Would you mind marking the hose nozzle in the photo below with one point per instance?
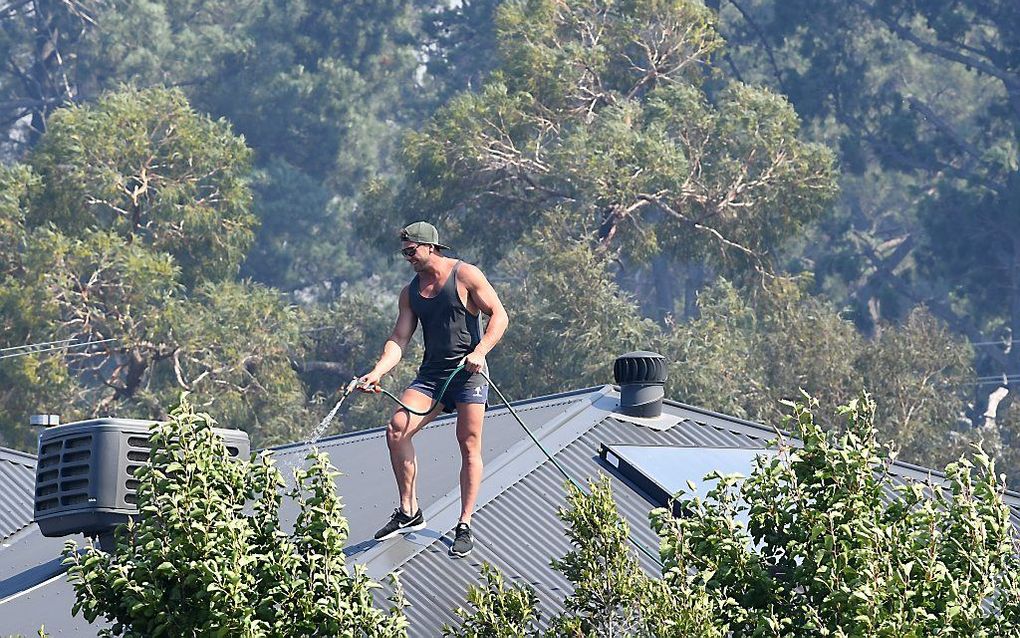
(350, 386)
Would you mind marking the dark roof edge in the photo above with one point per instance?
(726, 417)
(920, 472)
(29, 579)
(490, 408)
(24, 457)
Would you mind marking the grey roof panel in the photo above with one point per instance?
(367, 485)
(48, 604)
(17, 478)
(34, 589)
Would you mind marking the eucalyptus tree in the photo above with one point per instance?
(607, 117)
(131, 218)
(62, 52)
(320, 90)
(322, 94)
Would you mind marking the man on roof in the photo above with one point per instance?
(446, 297)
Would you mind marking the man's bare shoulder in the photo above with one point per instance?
(470, 274)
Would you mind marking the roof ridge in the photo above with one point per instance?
(346, 437)
(17, 456)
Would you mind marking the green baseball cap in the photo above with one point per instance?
(422, 233)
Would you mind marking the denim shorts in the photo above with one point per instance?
(473, 388)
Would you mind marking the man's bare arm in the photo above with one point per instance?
(484, 296)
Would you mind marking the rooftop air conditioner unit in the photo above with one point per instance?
(85, 481)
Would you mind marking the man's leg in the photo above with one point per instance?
(403, 426)
(469, 436)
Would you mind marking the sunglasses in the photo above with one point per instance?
(410, 250)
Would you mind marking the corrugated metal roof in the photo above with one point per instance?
(515, 525)
(17, 486)
(519, 531)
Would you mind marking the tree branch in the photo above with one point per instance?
(331, 367)
(765, 43)
(940, 123)
(946, 53)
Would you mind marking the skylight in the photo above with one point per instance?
(662, 471)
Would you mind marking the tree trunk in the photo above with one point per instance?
(693, 283)
(665, 285)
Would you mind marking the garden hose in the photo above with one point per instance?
(438, 397)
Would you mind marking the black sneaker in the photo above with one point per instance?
(401, 523)
(462, 541)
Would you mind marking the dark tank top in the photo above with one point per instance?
(449, 330)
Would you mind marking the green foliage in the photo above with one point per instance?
(612, 596)
(498, 610)
(744, 359)
(608, 582)
(619, 158)
(343, 335)
(921, 100)
(39, 42)
(919, 371)
(811, 544)
(319, 82)
(209, 555)
(236, 342)
(321, 92)
(320, 87)
(293, 209)
(569, 318)
(825, 552)
(47, 376)
(158, 43)
(461, 40)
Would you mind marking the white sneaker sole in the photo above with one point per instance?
(403, 530)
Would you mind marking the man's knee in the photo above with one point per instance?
(470, 444)
(399, 429)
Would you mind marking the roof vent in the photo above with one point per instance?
(85, 475)
(641, 376)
